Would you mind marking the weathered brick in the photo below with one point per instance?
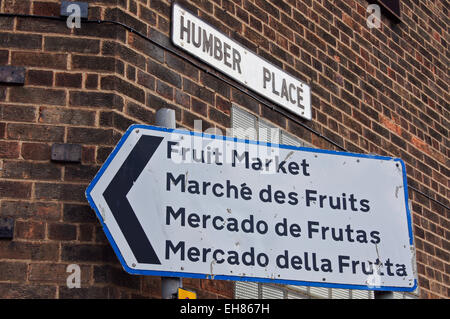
(35, 151)
(27, 291)
(71, 45)
(90, 136)
(122, 86)
(9, 149)
(42, 60)
(52, 115)
(142, 113)
(55, 273)
(18, 113)
(123, 17)
(62, 232)
(12, 189)
(91, 292)
(163, 73)
(164, 90)
(33, 132)
(80, 172)
(13, 271)
(93, 63)
(29, 230)
(198, 91)
(46, 8)
(91, 81)
(37, 95)
(146, 80)
(96, 99)
(39, 77)
(26, 250)
(42, 25)
(4, 55)
(20, 41)
(62, 192)
(112, 48)
(146, 47)
(155, 103)
(30, 170)
(87, 253)
(74, 213)
(181, 66)
(31, 210)
(68, 80)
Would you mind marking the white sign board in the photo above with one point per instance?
(185, 204)
(231, 58)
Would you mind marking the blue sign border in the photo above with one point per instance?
(239, 278)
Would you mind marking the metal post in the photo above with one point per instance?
(169, 285)
(165, 118)
(384, 295)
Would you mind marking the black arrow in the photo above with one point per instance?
(115, 196)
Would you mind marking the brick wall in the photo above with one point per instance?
(382, 91)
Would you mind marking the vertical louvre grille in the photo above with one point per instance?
(246, 290)
(243, 124)
(319, 292)
(269, 292)
(340, 293)
(268, 133)
(248, 126)
(288, 139)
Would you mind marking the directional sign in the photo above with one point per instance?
(185, 204)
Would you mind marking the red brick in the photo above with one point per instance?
(87, 253)
(20, 41)
(29, 230)
(56, 273)
(46, 8)
(35, 151)
(62, 192)
(18, 113)
(30, 170)
(39, 211)
(37, 95)
(93, 63)
(90, 136)
(27, 291)
(71, 45)
(72, 80)
(32, 132)
(91, 81)
(9, 149)
(26, 251)
(52, 115)
(60, 231)
(43, 60)
(12, 189)
(13, 271)
(39, 77)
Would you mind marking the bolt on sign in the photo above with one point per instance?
(187, 204)
(231, 58)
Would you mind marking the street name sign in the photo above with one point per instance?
(188, 204)
(231, 58)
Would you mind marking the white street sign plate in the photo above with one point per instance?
(185, 204)
(231, 58)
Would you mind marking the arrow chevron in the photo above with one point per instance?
(115, 196)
